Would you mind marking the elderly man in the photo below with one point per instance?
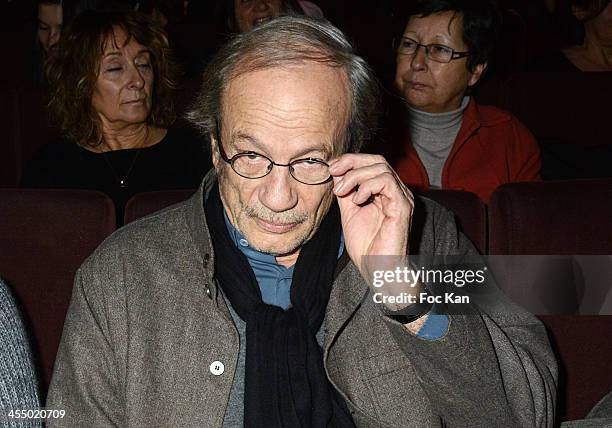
(250, 305)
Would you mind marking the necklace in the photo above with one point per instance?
(122, 181)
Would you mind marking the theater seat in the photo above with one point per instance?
(567, 218)
(564, 219)
(469, 211)
(146, 203)
(44, 237)
(557, 217)
(584, 350)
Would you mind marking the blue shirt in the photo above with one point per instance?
(275, 280)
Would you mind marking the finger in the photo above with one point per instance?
(348, 161)
(394, 199)
(354, 179)
(346, 183)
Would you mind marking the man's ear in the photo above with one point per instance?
(214, 150)
(477, 73)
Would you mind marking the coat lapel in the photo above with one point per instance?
(347, 294)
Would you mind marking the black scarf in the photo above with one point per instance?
(285, 381)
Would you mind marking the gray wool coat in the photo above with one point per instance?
(147, 319)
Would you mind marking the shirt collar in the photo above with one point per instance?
(243, 245)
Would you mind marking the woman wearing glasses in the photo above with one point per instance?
(449, 141)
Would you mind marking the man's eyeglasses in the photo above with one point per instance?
(254, 165)
(435, 52)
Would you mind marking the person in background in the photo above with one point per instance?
(50, 21)
(51, 17)
(591, 48)
(18, 383)
(442, 137)
(243, 15)
(111, 89)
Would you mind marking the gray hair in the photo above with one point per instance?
(291, 40)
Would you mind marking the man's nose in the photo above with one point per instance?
(419, 59)
(278, 190)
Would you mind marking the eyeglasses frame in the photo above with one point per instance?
(455, 54)
(289, 165)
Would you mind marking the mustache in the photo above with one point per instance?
(265, 214)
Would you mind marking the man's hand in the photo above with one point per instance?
(376, 211)
(375, 206)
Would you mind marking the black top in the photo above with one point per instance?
(554, 61)
(179, 161)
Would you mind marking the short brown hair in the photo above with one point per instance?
(73, 71)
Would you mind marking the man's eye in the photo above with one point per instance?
(253, 156)
(310, 163)
(43, 28)
(144, 65)
(114, 69)
(409, 44)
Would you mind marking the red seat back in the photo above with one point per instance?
(563, 217)
(146, 203)
(44, 237)
(584, 349)
(556, 217)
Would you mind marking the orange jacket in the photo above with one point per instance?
(491, 148)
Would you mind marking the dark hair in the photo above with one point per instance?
(291, 40)
(73, 72)
(481, 24)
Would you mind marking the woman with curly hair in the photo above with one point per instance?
(111, 93)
